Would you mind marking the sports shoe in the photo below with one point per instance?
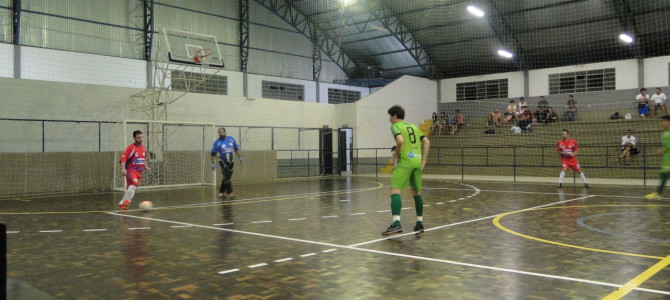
(124, 204)
(418, 228)
(392, 229)
(653, 196)
(221, 195)
(560, 185)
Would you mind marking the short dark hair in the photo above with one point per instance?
(511, 100)
(136, 132)
(643, 89)
(568, 131)
(398, 111)
(458, 111)
(571, 96)
(541, 97)
(224, 129)
(659, 89)
(665, 118)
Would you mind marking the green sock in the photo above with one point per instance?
(418, 204)
(396, 204)
(664, 178)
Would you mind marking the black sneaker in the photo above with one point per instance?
(392, 229)
(418, 228)
(560, 185)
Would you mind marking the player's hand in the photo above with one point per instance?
(239, 158)
(423, 165)
(147, 168)
(124, 172)
(213, 166)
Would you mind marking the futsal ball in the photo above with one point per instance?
(146, 205)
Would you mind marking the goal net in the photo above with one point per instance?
(178, 153)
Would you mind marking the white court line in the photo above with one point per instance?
(452, 200)
(396, 254)
(357, 214)
(13, 231)
(545, 193)
(325, 217)
(406, 208)
(139, 228)
(181, 226)
(258, 265)
(284, 259)
(93, 230)
(50, 231)
(308, 254)
(329, 250)
(439, 203)
(224, 224)
(383, 211)
(345, 200)
(257, 222)
(297, 219)
(228, 271)
(426, 205)
(465, 222)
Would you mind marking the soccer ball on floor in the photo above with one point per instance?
(146, 205)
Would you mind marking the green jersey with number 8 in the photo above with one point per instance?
(410, 154)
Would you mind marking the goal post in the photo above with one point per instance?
(178, 153)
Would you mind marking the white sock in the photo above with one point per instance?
(396, 218)
(561, 177)
(419, 219)
(583, 177)
(130, 192)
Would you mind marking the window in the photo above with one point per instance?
(283, 91)
(584, 81)
(481, 90)
(337, 96)
(199, 83)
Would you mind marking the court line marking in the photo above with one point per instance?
(258, 222)
(308, 254)
(181, 226)
(357, 214)
(50, 231)
(496, 223)
(222, 224)
(444, 261)
(638, 280)
(139, 228)
(547, 193)
(465, 222)
(228, 271)
(13, 231)
(325, 217)
(258, 265)
(284, 259)
(94, 230)
(297, 219)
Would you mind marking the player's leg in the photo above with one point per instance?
(222, 188)
(663, 177)
(229, 179)
(132, 182)
(399, 181)
(415, 181)
(561, 177)
(578, 169)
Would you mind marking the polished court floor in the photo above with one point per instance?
(320, 239)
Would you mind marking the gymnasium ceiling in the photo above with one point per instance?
(441, 39)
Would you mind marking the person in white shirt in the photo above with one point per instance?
(642, 101)
(659, 103)
(511, 112)
(628, 143)
(522, 106)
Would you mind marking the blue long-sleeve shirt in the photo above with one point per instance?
(225, 148)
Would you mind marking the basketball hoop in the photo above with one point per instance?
(201, 54)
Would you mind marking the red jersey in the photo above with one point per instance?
(567, 147)
(134, 157)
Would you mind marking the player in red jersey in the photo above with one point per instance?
(567, 149)
(133, 162)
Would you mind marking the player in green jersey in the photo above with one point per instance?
(664, 174)
(409, 158)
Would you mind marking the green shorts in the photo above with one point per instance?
(404, 175)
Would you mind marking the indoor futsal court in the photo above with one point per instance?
(319, 239)
(334, 149)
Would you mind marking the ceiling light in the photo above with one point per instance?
(475, 11)
(626, 38)
(505, 53)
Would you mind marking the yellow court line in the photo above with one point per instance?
(379, 185)
(496, 222)
(638, 280)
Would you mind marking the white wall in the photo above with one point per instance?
(416, 95)
(7, 60)
(514, 83)
(656, 72)
(626, 75)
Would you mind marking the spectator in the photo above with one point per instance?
(494, 118)
(522, 105)
(628, 143)
(659, 103)
(526, 120)
(511, 112)
(442, 127)
(642, 101)
(460, 120)
(550, 115)
(571, 109)
(450, 125)
(541, 111)
(436, 121)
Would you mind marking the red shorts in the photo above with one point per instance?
(133, 177)
(570, 162)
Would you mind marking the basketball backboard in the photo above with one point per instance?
(183, 47)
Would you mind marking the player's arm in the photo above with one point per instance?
(122, 162)
(214, 157)
(558, 149)
(425, 147)
(399, 141)
(146, 161)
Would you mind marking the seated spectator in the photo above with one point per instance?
(511, 112)
(526, 120)
(442, 125)
(550, 115)
(541, 111)
(660, 100)
(451, 125)
(628, 143)
(522, 105)
(570, 109)
(459, 119)
(494, 118)
(642, 101)
(433, 127)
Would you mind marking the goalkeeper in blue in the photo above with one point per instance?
(224, 146)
